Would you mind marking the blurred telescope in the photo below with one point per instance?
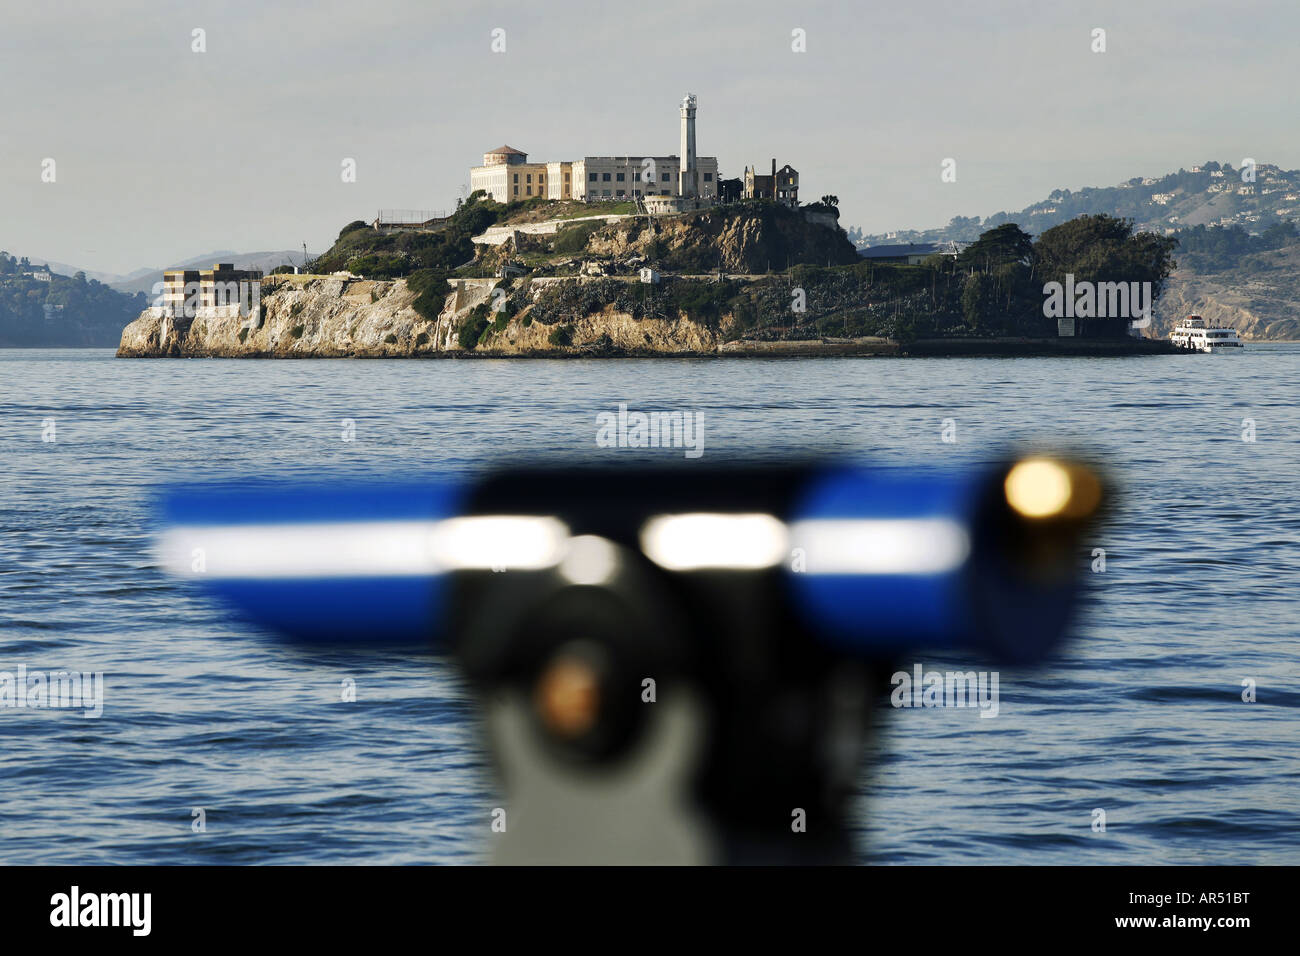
(674, 665)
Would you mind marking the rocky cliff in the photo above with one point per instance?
(747, 278)
(751, 240)
(301, 316)
(583, 294)
(337, 316)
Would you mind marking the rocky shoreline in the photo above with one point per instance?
(347, 317)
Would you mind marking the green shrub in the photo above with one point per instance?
(571, 240)
(804, 274)
(472, 327)
(422, 338)
(431, 289)
(701, 301)
(296, 331)
(380, 255)
(390, 338)
(561, 336)
(379, 266)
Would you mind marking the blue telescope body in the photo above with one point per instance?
(871, 562)
(314, 562)
(759, 609)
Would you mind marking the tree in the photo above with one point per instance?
(999, 246)
(830, 201)
(1104, 248)
(963, 227)
(1008, 300)
(977, 300)
(1277, 235)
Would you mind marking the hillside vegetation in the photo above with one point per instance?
(1215, 194)
(81, 312)
(1237, 259)
(772, 272)
(749, 237)
(994, 289)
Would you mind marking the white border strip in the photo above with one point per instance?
(362, 549)
(881, 546)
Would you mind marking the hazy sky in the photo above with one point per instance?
(163, 153)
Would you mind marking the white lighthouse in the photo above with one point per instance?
(688, 185)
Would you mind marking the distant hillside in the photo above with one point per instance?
(66, 269)
(1238, 251)
(142, 280)
(1258, 295)
(42, 309)
(1209, 194)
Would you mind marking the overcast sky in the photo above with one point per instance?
(162, 153)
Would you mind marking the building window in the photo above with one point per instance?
(566, 179)
(605, 192)
(530, 190)
(516, 179)
(605, 178)
(665, 177)
(708, 177)
(529, 178)
(620, 177)
(621, 194)
(516, 190)
(591, 178)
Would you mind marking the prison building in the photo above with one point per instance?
(222, 285)
(507, 175)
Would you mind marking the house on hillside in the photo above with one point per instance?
(781, 185)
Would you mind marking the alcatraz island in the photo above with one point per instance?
(658, 256)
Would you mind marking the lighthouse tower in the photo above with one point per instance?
(687, 184)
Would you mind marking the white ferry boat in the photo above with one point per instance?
(1193, 333)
